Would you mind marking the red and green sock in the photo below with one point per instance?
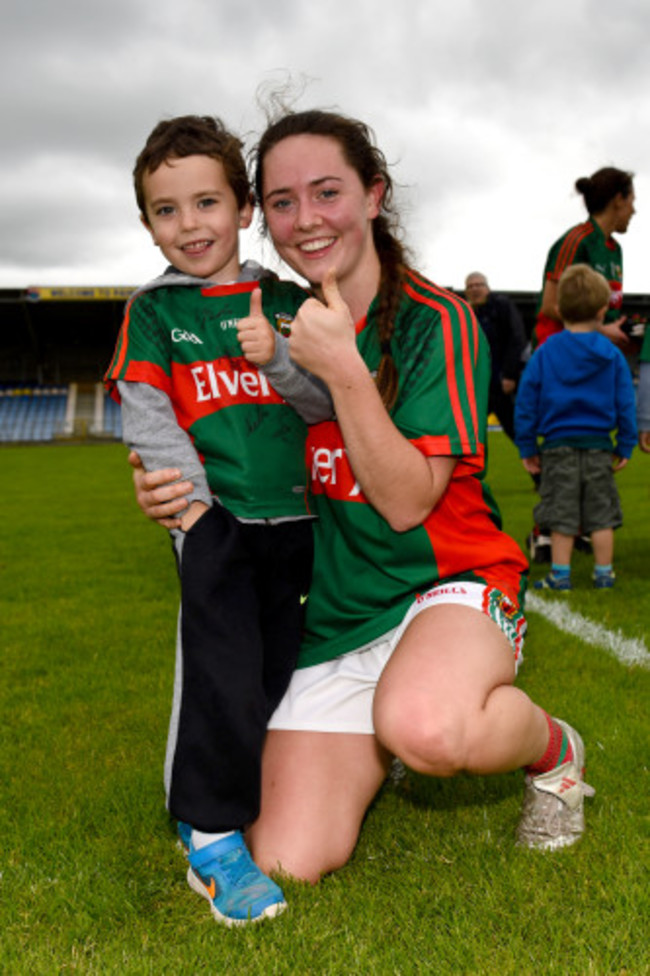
(557, 752)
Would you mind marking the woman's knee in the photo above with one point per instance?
(429, 743)
(305, 858)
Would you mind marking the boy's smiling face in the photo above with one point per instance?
(193, 216)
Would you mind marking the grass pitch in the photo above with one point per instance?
(90, 878)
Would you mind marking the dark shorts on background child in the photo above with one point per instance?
(578, 491)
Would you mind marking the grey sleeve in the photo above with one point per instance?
(643, 398)
(149, 427)
(308, 395)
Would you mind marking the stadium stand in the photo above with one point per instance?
(112, 419)
(55, 344)
(50, 413)
(32, 414)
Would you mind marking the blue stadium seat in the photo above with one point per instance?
(33, 413)
(112, 418)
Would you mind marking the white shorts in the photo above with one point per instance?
(337, 696)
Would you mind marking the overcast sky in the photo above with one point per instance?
(488, 110)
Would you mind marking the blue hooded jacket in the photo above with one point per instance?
(576, 389)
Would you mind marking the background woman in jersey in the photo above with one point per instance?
(414, 621)
(609, 199)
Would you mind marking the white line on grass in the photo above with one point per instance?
(627, 650)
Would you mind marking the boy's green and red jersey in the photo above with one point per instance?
(584, 244)
(183, 341)
(365, 574)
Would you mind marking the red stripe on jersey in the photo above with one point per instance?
(238, 288)
(145, 372)
(433, 446)
(123, 343)
(200, 389)
(567, 252)
(468, 369)
(461, 306)
(440, 446)
(459, 521)
(448, 339)
(470, 463)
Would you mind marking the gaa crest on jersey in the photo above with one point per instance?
(283, 322)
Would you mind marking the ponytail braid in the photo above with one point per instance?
(392, 258)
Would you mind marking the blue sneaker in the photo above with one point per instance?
(225, 874)
(604, 581)
(553, 582)
(184, 836)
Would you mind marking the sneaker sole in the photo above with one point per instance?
(269, 912)
(552, 845)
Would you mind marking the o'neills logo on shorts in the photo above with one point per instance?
(440, 591)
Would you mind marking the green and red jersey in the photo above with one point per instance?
(182, 339)
(366, 575)
(584, 244)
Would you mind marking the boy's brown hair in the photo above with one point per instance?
(193, 135)
(581, 294)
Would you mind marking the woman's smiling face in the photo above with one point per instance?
(318, 212)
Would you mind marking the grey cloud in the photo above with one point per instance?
(457, 93)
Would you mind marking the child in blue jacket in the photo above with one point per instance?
(575, 391)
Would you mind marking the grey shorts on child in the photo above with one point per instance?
(578, 492)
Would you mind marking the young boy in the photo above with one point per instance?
(575, 390)
(190, 400)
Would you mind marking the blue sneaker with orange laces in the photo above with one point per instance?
(225, 874)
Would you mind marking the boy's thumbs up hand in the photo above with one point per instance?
(255, 334)
(256, 304)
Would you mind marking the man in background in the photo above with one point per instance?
(504, 329)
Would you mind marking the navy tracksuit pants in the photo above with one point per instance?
(239, 635)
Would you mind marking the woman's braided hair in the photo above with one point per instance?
(360, 152)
